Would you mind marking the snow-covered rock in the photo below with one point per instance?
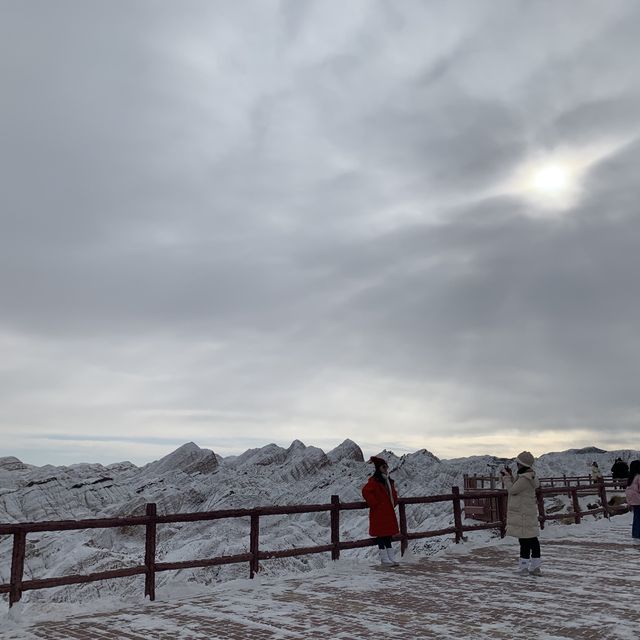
(348, 450)
(192, 479)
(264, 456)
(9, 463)
(189, 458)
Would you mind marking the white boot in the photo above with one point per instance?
(523, 566)
(391, 554)
(534, 567)
(384, 558)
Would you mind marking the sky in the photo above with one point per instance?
(411, 224)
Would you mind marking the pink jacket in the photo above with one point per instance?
(633, 492)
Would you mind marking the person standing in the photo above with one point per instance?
(381, 496)
(620, 472)
(522, 512)
(596, 474)
(633, 498)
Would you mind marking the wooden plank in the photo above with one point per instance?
(358, 544)
(45, 583)
(17, 567)
(335, 527)
(429, 499)
(71, 525)
(254, 545)
(418, 535)
(207, 562)
(473, 509)
(478, 527)
(150, 554)
(576, 506)
(404, 542)
(457, 512)
(350, 506)
(289, 553)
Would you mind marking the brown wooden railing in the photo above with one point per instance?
(477, 481)
(487, 509)
(17, 585)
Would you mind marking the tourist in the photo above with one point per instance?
(596, 474)
(620, 472)
(633, 498)
(522, 512)
(381, 496)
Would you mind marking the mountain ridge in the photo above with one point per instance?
(192, 479)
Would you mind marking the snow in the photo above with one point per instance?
(588, 590)
(194, 479)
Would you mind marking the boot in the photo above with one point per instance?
(523, 566)
(391, 554)
(384, 558)
(534, 568)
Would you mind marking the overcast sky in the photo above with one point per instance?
(412, 224)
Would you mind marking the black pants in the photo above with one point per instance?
(384, 542)
(529, 547)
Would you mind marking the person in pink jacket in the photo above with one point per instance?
(633, 497)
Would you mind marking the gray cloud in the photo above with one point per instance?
(274, 219)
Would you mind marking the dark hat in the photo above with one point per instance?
(378, 462)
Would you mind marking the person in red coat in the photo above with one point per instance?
(381, 496)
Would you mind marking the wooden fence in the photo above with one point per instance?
(476, 481)
(488, 509)
(17, 585)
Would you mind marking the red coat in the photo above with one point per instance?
(382, 515)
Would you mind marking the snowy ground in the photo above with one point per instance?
(588, 590)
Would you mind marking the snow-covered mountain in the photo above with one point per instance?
(194, 479)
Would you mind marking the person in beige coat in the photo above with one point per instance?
(522, 512)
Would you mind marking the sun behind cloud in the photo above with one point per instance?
(553, 179)
(553, 182)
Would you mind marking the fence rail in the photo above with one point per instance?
(476, 481)
(17, 585)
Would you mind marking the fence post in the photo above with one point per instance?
(576, 505)
(564, 477)
(541, 513)
(17, 566)
(603, 499)
(501, 504)
(150, 553)
(457, 513)
(404, 542)
(335, 527)
(254, 544)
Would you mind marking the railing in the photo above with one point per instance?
(485, 508)
(17, 585)
(476, 481)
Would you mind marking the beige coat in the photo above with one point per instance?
(522, 509)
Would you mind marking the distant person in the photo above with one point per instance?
(381, 496)
(620, 472)
(522, 512)
(596, 474)
(633, 498)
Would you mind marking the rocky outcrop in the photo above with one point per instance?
(263, 456)
(302, 461)
(9, 463)
(348, 450)
(189, 458)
